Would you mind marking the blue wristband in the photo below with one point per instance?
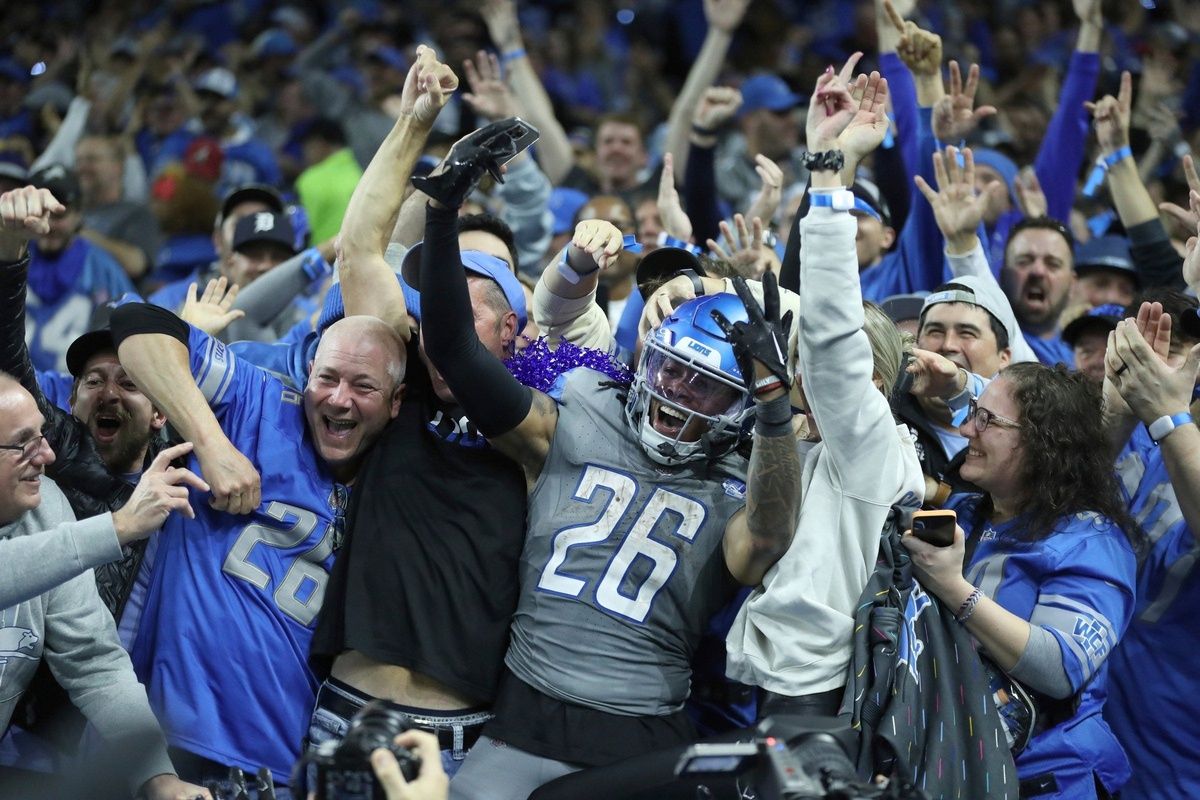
(1103, 165)
(1162, 427)
(512, 55)
(1120, 155)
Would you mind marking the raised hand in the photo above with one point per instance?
(759, 345)
(766, 203)
(832, 105)
(500, 17)
(1088, 11)
(161, 490)
(717, 105)
(934, 375)
(24, 215)
(489, 95)
(1111, 116)
(427, 87)
(1191, 252)
(919, 49)
(725, 15)
(955, 115)
(211, 313)
(1030, 197)
(956, 207)
(1152, 387)
(746, 250)
(869, 124)
(675, 220)
(1188, 216)
(599, 239)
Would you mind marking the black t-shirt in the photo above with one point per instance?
(427, 579)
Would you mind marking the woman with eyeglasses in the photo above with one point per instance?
(1042, 569)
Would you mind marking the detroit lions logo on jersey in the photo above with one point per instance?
(909, 646)
(18, 642)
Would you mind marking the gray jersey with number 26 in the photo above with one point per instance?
(622, 565)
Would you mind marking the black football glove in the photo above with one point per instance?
(764, 339)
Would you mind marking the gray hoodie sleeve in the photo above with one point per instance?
(83, 652)
(31, 565)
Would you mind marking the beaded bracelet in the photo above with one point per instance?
(968, 607)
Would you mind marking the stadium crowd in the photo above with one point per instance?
(587, 380)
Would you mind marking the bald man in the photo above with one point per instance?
(224, 642)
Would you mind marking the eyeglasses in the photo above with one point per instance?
(983, 418)
(27, 450)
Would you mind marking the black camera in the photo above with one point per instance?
(341, 770)
(793, 758)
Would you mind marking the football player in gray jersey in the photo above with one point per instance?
(644, 517)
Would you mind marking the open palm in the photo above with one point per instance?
(956, 207)
(869, 123)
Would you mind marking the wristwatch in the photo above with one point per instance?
(831, 160)
(1162, 427)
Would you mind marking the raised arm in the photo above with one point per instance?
(1158, 264)
(1061, 153)
(153, 346)
(723, 17)
(554, 148)
(369, 285)
(564, 300)
(516, 419)
(758, 535)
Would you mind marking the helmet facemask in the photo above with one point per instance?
(684, 407)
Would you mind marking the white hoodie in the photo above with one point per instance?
(793, 635)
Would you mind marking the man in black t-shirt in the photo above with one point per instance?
(421, 596)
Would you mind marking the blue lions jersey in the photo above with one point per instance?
(1153, 707)
(1051, 351)
(52, 322)
(56, 386)
(223, 644)
(1078, 584)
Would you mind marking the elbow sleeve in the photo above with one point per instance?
(132, 319)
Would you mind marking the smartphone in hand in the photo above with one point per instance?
(935, 527)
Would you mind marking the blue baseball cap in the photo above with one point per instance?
(564, 205)
(273, 42)
(1108, 253)
(334, 307)
(769, 92)
(1104, 318)
(481, 264)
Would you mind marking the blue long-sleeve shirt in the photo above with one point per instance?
(1061, 154)
(917, 264)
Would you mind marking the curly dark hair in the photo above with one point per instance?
(1065, 467)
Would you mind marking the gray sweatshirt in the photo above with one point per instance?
(51, 610)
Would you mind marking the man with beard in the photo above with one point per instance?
(1038, 273)
(247, 159)
(68, 275)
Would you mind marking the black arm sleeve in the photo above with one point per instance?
(134, 318)
(894, 183)
(789, 269)
(493, 399)
(1154, 258)
(700, 194)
